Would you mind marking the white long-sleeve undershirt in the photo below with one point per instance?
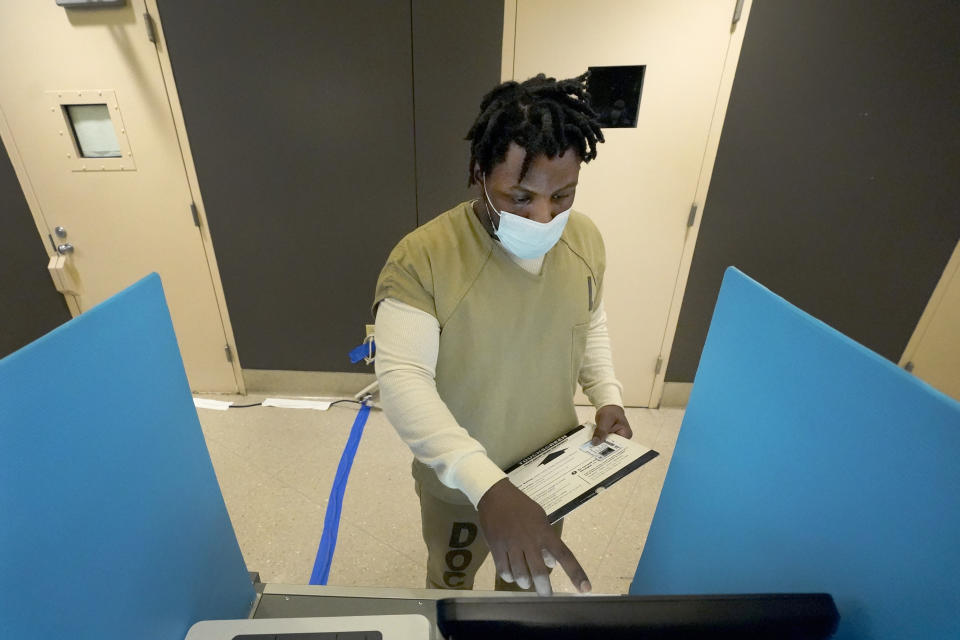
(408, 344)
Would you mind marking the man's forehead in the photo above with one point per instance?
(532, 188)
(558, 169)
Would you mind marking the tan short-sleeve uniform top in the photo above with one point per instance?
(511, 342)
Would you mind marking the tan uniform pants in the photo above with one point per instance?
(455, 546)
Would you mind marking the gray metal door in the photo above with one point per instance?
(299, 117)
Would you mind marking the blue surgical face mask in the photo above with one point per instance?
(526, 238)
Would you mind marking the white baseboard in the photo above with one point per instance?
(676, 394)
(305, 383)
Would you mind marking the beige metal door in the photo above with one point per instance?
(933, 353)
(642, 186)
(121, 213)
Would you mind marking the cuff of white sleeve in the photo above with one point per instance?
(475, 474)
(607, 393)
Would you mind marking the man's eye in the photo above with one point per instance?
(521, 199)
(561, 196)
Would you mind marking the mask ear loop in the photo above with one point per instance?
(487, 205)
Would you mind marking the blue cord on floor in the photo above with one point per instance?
(331, 521)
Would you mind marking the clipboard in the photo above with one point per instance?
(567, 472)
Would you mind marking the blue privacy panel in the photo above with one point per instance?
(112, 525)
(807, 462)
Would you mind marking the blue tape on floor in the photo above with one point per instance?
(331, 521)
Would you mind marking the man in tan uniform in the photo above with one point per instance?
(487, 318)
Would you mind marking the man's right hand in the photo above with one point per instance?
(522, 542)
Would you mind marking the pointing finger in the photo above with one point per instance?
(572, 568)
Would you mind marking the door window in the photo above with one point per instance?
(93, 130)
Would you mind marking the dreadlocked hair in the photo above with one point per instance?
(543, 115)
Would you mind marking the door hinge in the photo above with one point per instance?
(909, 366)
(656, 369)
(229, 352)
(151, 28)
(693, 215)
(737, 10)
(196, 214)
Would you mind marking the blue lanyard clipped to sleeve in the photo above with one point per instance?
(331, 520)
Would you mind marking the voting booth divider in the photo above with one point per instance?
(806, 462)
(113, 524)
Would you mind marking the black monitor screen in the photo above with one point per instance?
(782, 616)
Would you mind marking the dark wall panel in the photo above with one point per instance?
(300, 116)
(456, 54)
(835, 182)
(29, 304)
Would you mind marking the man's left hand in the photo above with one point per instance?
(611, 419)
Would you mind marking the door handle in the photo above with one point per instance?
(65, 249)
(64, 275)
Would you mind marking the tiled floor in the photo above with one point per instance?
(276, 467)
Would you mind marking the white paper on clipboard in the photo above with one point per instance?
(570, 470)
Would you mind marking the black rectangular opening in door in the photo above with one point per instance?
(615, 94)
